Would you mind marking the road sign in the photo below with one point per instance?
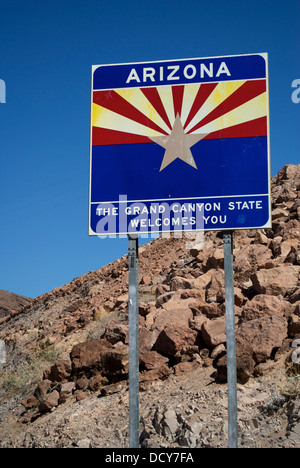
(180, 145)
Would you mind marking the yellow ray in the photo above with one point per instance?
(166, 96)
(135, 97)
(106, 118)
(219, 94)
(189, 95)
(250, 110)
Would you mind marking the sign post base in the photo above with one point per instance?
(133, 306)
(230, 339)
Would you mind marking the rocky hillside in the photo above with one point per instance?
(10, 303)
(65, 383)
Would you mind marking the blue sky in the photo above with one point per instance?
(47, 49)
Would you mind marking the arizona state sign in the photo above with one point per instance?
(180, 145)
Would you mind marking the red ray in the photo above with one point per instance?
(104, 136)
(253, 128)
(154, 98)
(246, 92)
(177, 92)
(204, 92)
(116, 103)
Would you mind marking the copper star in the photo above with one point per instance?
(178, 144)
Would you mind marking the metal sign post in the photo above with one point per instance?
(133, 306)
(231, 342)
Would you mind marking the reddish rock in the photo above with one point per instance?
(202, 281)
(279, 213)
(193, 294)
(80, 395)
(276, 281)
(97, 382)
(147, 339)
(66, 391)
(264, 368)
(155, 374)
(43, 389)
(209, 310)
(218, 351)
(184, 367)
(59, 372)
(294, 326)
(197, 322)
(214, 332)
(86, 357)
(179, 282)
(51, 402)
(215, 287)
(244, 363)
(153, 360)
(115, 361)
(264, 335)
(116, 331)
(113, 388)
(177, 316)
(295, 297)
(164, 298)
(121, 300)
(144, 309)
(215, 260)
(82, 383)
(172, 339)
(262, 305)
(250, 257)
(30, 402)
(286, 247)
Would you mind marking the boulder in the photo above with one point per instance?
(86, 357)
(30, 402)
(153, 360)
(250, 257)
(276, 281)
(42, 389)
(164, 298)
(178, 282)
(173, 338)
(215, 287)
(97, 382)
(214, 260)
(244, 364)
(177, 316)
(214, 332)
(294, 326)
(147, 339)
(159, 373)
(115, 361)
(265, 335)
(66, 391)
(186, 366)
(285, 248)
(51, 402)
(59, 372)
(209, 310)
(116, 331)
(262, 305)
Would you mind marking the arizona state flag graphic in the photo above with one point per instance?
(180, 144)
